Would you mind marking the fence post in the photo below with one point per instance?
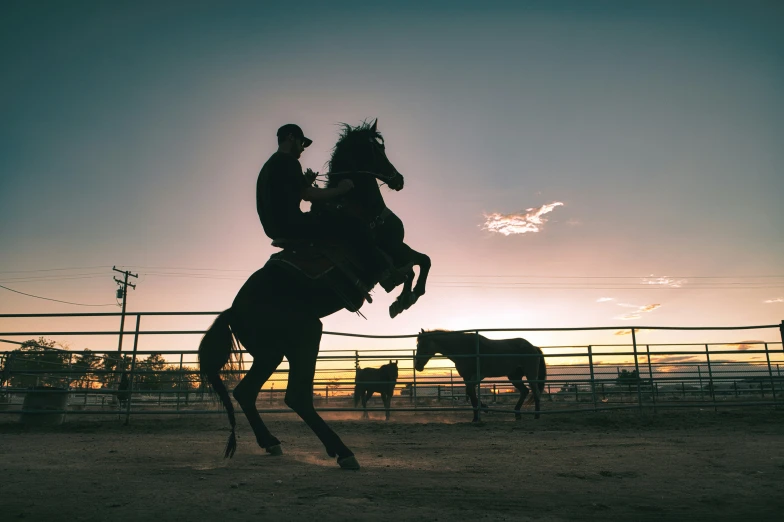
(710, 378)
(478, 380)
(68, 384)
(593, 382)
(179, 383)
(133, 367)
(650, 375)
(770, 374)
(637, 368)
(413, 396)
(781, 331)
(451, 390)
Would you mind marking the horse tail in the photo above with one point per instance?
(541, 376)
(357, 392)
(542, 372)
(215, 350)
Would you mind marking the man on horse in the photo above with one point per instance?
(282, 186)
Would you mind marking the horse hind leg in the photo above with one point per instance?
(366, 394)
(302, 354)
(517, 380)
(246, 393)
(533, 378)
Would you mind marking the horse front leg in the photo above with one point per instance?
(406, 299)
(386, 397)
(403, 255)
(423, 262)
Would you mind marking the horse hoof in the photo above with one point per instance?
(275, 450)
(348, 462)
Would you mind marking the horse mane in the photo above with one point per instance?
(450, 335)
(348, 136)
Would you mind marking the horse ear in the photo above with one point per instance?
(375, 124)
(421, 330)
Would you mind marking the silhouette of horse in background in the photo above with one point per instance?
(513, 358)
(371, 380)
(277, 311)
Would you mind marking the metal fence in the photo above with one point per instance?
(579, 378)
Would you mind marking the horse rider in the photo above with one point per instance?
(282, 186)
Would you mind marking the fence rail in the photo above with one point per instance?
(579, 378)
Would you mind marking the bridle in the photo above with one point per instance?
(384, 178)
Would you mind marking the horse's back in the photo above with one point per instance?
(277, 296)
(498, 357)
(375, 379)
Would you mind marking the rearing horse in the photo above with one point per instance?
(366, 204)
(277, 311)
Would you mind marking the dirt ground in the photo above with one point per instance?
(677, 465)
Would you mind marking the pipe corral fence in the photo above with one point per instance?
(579, 378)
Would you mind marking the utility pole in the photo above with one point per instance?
(122, 292)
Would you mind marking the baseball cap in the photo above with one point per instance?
(291, 128)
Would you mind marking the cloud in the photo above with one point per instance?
(507, 224)
(748, 345)
(638, 312)
(574, 222)
(774, 300)
(629, 332)
(664, 281)
(604, 299)
(669, 359)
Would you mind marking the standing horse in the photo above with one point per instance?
(513, 358)
(277, 311)
(371, 380)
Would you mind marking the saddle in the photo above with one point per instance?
(337, 265)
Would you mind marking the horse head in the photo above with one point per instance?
(426, 349)
(392, 370)
(360, 154)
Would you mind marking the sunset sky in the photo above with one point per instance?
(566, 163)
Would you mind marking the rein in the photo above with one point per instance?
(378, 176)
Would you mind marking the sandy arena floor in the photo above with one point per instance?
(678, 465)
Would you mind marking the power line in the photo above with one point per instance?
(52, 269)
(36, 279)
(50, 299)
